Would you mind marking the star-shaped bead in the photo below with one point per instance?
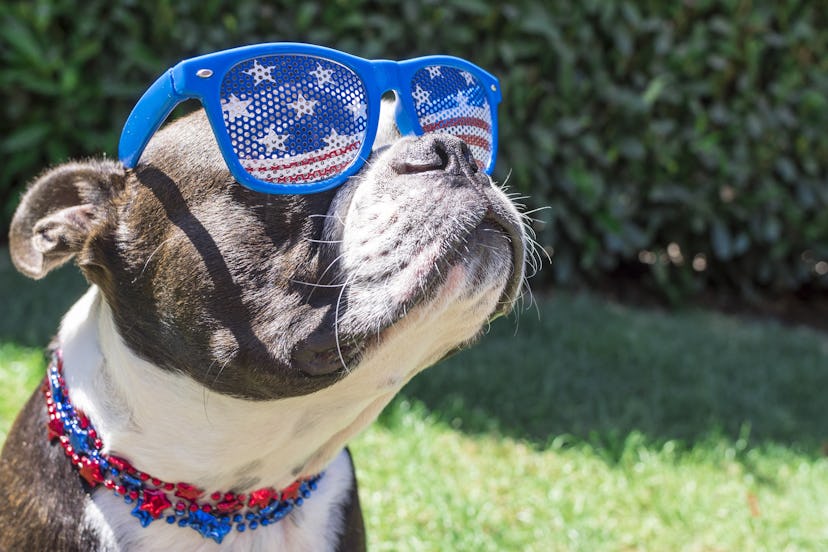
(434, 71)
(260, 73)
(303, 106)
(234, 108)
(154, 503)
(358, 109)
(55, 428)
(91, 472)
(291, 491)
(260, 498)
(322, 75)
(421, 96)
(273, 141)
(468, 76)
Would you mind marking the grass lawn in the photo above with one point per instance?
(584, 426)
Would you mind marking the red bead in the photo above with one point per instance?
(91, 472)
(215, 496)
(229, 506)
(168, 486)
(133, 494)
(155, 502)
(193, 507)
(54, 429)
(143, 477)
(188, 492)
(260, 498)
(157, 482)
(207, 508)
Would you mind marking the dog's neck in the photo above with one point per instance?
(171, 427)
(176, 430)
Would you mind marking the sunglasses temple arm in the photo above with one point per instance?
(147, 116)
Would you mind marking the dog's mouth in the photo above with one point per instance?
(483, 259)
(484, 254)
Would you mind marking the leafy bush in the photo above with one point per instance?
(686, 139)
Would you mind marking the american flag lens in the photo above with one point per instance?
(453, 101)
(294, 119)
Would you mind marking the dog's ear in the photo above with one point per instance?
(59, 213)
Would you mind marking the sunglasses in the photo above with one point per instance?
(298, 118)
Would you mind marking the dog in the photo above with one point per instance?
(236, 340)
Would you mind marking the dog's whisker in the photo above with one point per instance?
(146, 263)
(311, 240)
(336, 328)
(317, 285)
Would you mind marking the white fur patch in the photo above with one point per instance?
(173, 428)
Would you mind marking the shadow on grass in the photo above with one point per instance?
(599, 372)
(587, 369)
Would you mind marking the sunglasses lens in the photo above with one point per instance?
(294, 119)
(453, 101)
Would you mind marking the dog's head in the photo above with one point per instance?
(265, 296)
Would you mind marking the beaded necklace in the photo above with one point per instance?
(153, 499)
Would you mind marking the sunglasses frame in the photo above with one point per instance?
(201, 78)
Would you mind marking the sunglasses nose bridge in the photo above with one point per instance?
(387, 77)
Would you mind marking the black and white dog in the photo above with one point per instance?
(236, 340)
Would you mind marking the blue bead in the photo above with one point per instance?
(240, 527)
(183, 522)
(253, 524)
(250, 515)
(131, 481)
(298, 501)
(144, 517)
(313, 485)
(237, 518)
(127, 499)
(170, 519)
(306, 494)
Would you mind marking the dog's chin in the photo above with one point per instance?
(419, 246)
(469, 267)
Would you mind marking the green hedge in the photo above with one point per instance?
(662, 135)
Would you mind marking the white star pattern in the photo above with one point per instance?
(273, 141)
(303, 106)
(260, 73)
(434, 71)
(421, 96)
(468, 76)
(336, 140)
(235, 108)
(462, 100)
(358, 109)
(322, 75)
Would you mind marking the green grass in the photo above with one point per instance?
(592, 426)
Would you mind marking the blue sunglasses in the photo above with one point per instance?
(298, 118)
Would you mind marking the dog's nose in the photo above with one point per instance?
(432, 152)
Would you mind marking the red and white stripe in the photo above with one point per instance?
(472, 124)
(304, 168)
